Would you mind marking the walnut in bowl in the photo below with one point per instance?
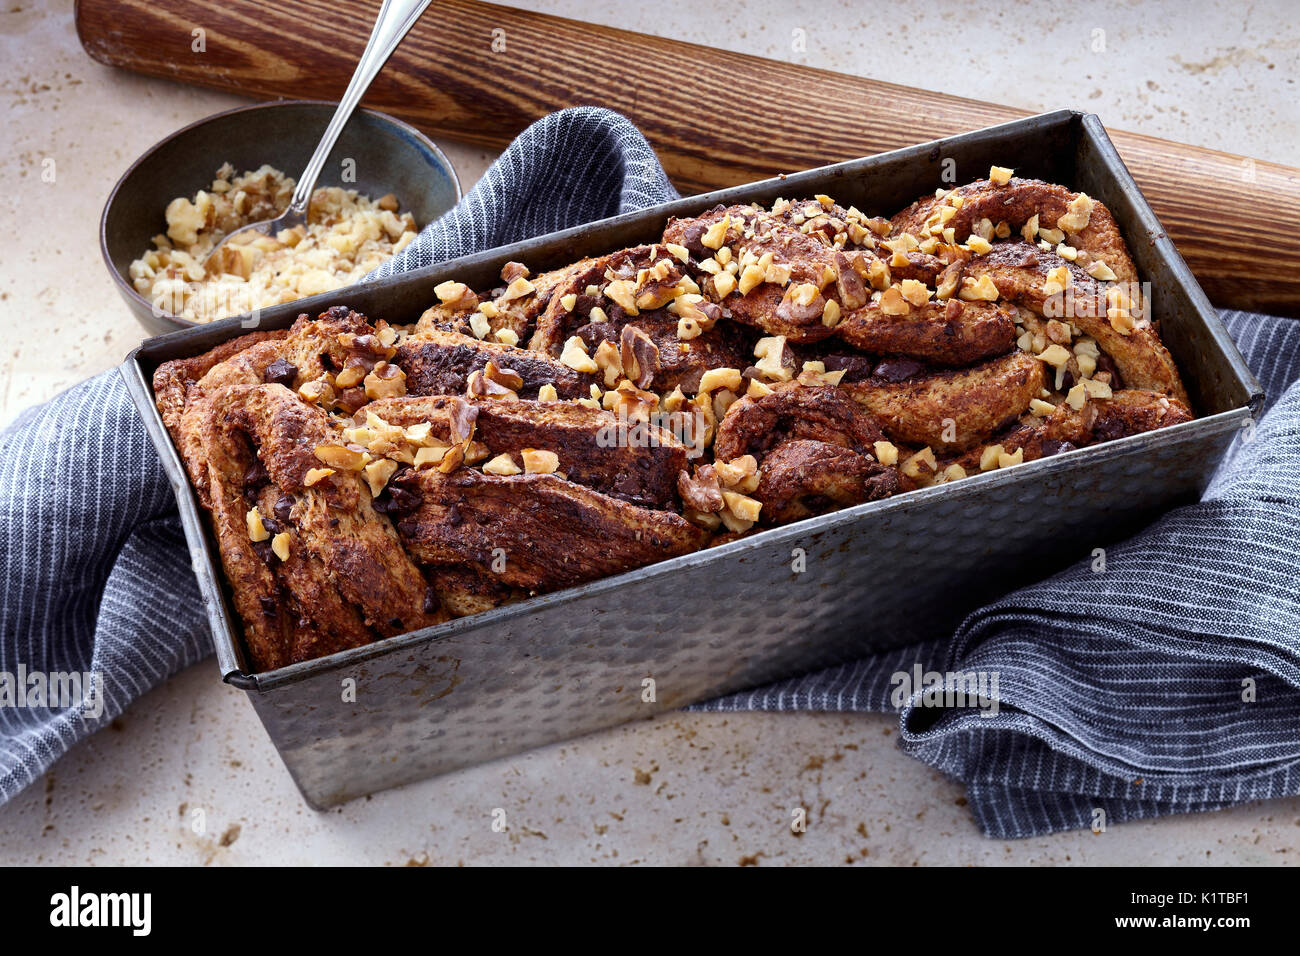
(376, 156)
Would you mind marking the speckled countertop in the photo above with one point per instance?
(684, 788)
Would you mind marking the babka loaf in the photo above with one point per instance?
(754, 367)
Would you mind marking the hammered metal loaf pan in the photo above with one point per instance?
(875, 576)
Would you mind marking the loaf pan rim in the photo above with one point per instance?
(224, 623)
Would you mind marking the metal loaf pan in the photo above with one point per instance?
(876, 576)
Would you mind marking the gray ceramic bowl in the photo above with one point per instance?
(390, 157)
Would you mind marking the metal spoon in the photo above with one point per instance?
(396, 17)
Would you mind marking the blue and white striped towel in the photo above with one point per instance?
(1134, 708)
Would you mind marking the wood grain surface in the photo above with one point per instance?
(715, 118)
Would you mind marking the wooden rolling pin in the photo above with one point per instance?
(480, 73)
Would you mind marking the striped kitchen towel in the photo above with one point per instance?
(1134, 706)
(98, 585)
(1168, 684)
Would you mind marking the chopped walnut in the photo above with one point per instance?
(576, 357)
(1058, 280)
(315, 476)
(639, 356)
(1121, 321)
(771, 354)
(1098, 269)
(609, 362)
(431, 455)
(751, 277)
(739, 474)
(378, 473)
(1059, 332)
(520, 288)
(463, 416)
(688, 328)
(421, 434)
(724, 284)
(514, 270)
(350, 377)
(1097, 389)
(914, 292)
(505, 377)
(878, 275)
(456, 296)
(318, 392)
(502, 465)
(1007, 459)
(385, 381)
(921, 465)
(1055, 355)
(716, 234)
(623, 292)
(893, 303)
(1077, 219)
(720, 378)
(539, 462)
(453, 458)
(743, 508)
(256, 529)
(280, 545)
(340, 458)
(681, 253)
(948, 280)
(702, 492)
(479, 325)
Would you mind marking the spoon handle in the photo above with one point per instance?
(396, 17)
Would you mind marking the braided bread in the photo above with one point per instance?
(754, 367)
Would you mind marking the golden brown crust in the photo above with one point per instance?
(1129, 411)
(950, 410)
(566, 535)
(801, 478)
(1015, 204)
(794, 410)
(1020, 272)
(585, 441)
(946, 333)
(173, 381)
(262, 441)
(770, 306)
(440, 362)
(464, 591)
